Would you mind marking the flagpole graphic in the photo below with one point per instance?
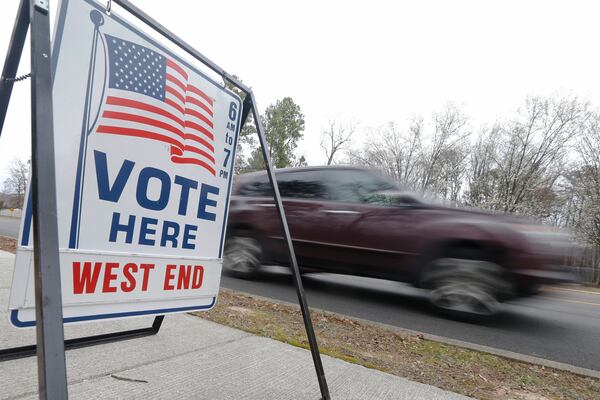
(98, 20)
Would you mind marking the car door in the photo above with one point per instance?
(375, 236)
(303, 194)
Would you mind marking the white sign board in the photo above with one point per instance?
(144, 148)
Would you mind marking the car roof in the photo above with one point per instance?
(250, 176)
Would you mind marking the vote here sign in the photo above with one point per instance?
(144, 148)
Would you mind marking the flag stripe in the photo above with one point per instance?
(177, 68)
(195, 102)
(194, 113)
(142, 120)
(118, 130)
(176, 81)
(119, 101)
(200, 140)
(186, 139)
(175, 93)
(187, 160)
(175, 106)
(201, 152)
(195, 90)
(201, 129)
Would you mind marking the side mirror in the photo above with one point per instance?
(394, 199)
(406, 200)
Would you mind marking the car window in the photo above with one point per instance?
(294, 184)
(257, 187)
(302, 185)
(356, 186)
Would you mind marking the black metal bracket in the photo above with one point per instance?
(77, 343)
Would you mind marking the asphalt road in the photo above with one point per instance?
(560, 324)
(9, 226)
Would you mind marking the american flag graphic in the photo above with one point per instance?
(150, 96)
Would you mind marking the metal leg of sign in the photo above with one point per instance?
(13, 56)
(250, 103)
(52, 370)
(76, 343)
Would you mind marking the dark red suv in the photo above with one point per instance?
(355, 221)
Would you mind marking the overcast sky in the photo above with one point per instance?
(372, 61)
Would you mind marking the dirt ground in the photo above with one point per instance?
(8, 244)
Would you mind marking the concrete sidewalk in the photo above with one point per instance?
(192, 359)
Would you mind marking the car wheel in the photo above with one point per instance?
(465, 288)
(242, 256)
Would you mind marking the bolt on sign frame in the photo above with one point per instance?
(52, 376)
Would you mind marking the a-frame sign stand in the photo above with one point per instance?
(52, 375)
(6, 84)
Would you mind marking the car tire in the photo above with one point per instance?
(242, 255)
(465, 288)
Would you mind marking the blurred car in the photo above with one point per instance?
(351, 220)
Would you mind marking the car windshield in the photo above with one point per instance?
(355, 185)
(347, 185)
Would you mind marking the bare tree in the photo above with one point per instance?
(482, 171)
(432, 162)
(531, 155)
(445, 156)
(16, 183)
(451, 179)
(396, 152)
(585, 182)
(516, 165)
(336, 137)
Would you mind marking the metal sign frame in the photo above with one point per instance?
(52, 375)
(6, 84)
